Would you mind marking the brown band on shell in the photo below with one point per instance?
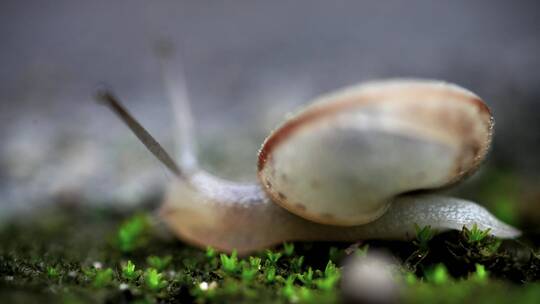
(472, 147)
(285, 130)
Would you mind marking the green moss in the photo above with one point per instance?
(129, 272)
(475, 235)
(131, 233)
(97, 255)
(437, 275)
(467, 291)
(481, 275)
(154, 280)
(103, 277)
(229, 264)
(423, 236)
(52, 272)
(160, 263)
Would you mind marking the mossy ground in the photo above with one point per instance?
(78, 255)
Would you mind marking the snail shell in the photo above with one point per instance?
(343, 159)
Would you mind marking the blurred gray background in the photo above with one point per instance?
(247, 64)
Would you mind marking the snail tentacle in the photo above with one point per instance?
(142, 134)
(175, 84)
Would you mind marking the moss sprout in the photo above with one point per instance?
(154, 280)
(423, 236)
(159, 263)
(475, 235)
(131, 233)
(438, 274)
(103, 277)
(229, 264)
(272, 257)
(129, 272)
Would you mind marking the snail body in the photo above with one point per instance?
(345, 168)
(227, 216)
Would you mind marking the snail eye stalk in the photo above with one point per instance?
(107, 98)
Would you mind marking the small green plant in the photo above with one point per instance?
(212, 256)
(362, 251)
(270, 274)
(52, 272)
(248, 271)
(131, 232)
(229, 264)
(210, 252)
(255, 262)
(288, 290)
(475, 235)
(307, 277)
(437, 275)
(326, 283)
(89, 272)
(129, 272)
(103, 277)
(296, 263)
(306, 295)
(331, 269)
(410, 278)
(272, 257)
(301, 294)
(159, 263)
(481, 274)
(154, 279)
(330, 278)
(423, 236)
(288, 249)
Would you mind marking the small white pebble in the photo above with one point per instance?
(72, 274)
(370, 279)
(123, 286)
(97, 265)
(8, 278)
(203, 286)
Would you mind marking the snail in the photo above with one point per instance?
(360, 163)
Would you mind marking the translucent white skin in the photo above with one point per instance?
(208, 211)
(343, 159)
